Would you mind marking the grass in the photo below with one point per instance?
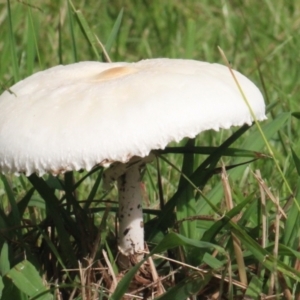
(223, 234)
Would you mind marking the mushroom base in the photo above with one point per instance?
(131, 225)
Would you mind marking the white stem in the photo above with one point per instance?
(131, 225)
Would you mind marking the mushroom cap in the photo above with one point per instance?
(91, 113)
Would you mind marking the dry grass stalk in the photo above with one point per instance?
(114, 282)
(159, 287)
(154, 283)
(57, 293)
(88, 288)
(203, 271)
(270, 195)
(264, 229)
(82, 281)
(280, 213)
(103, 49)
(287, 293)
(264, 210)
(236, 242)
(230, 276)
(273, 277)
(271, 297)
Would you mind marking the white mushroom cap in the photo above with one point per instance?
(80, 115)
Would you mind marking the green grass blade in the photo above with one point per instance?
(292, 224)
(14, 207)
(58, 215)
(173, 240)
(186, 201)
(72, 33)
(231, 152)
(11, 291)
(210, 234)
(32, 43)
(86, 30)
(27, 279)
(94, 190)
(14, 57)
(23, 203)
(213, 262)
(5, 223)
(114, 32)
(190, 39)
(30, 49)
(54, 250)
(296, 161)
(4, 260)
(254, 288)
(112, 259)
(1, 287)
(190, 285)
(60, 42)
(296, 114)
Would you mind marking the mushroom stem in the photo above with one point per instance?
(131, 227)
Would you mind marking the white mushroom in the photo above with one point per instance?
(90, 113)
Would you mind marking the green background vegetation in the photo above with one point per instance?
(48, 224)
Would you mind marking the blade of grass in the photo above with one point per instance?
(14, 207)
(54, 250)
(86, 30)
(23, 203)
(60, 43)
(11, 291)
(222, 223)
(32, 44)
(27, 279)
(94, 189)
(234, 152)
(72, 33)
(186, 201)
(236, 242)
(292, 224)
(30, 49)
(274, 275)
(190, 38)
(14, 57)
(4, 260)
(296, 161)
(159, 185)
(114, 32)
(254, 288)
(58, 216)
(190, 285)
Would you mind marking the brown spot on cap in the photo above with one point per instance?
(115, 73)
